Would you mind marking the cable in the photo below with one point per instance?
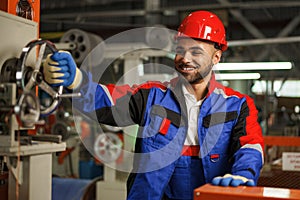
(18, 164)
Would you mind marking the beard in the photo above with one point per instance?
(198, 76)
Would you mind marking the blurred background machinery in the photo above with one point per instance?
(27, 157)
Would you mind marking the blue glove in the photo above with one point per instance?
(60, 69)
(232, 180)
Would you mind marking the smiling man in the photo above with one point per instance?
(193, 130)
(194, 61)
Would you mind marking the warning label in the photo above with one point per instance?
(291, 161)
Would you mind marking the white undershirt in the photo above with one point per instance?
(193, 109)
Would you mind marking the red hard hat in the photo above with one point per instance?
(203, 25)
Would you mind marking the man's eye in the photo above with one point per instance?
(180, 51)
(196, 53)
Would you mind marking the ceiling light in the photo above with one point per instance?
(237, 76)
(253, 66)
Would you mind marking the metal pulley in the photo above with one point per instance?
(61, 128)
(158, 37)
(108, 147)
(63, 125)
(84, 43)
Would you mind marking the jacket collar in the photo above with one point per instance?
(212, 84)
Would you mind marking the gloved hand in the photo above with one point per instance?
(60, 69)
(232, 180)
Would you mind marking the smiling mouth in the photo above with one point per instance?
(187, 67)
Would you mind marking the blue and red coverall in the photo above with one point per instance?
(229, 135)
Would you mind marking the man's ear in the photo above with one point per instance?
(217, 56)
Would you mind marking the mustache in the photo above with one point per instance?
(184, 65)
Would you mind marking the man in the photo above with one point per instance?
(192, 129)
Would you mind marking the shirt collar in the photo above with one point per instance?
(190, 98)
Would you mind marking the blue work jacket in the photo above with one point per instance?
(229, 135)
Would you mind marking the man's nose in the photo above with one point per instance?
(187, 57)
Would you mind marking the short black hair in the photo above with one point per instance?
(217, 46)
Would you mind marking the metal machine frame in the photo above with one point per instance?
(30, 164)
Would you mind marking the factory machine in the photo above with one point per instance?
(31, 143)
(25, 155)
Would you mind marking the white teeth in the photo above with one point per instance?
(188, 69)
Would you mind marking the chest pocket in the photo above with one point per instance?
(219, 118)
(168, 117)
(164, 125)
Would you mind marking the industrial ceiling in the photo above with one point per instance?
(263, 30)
